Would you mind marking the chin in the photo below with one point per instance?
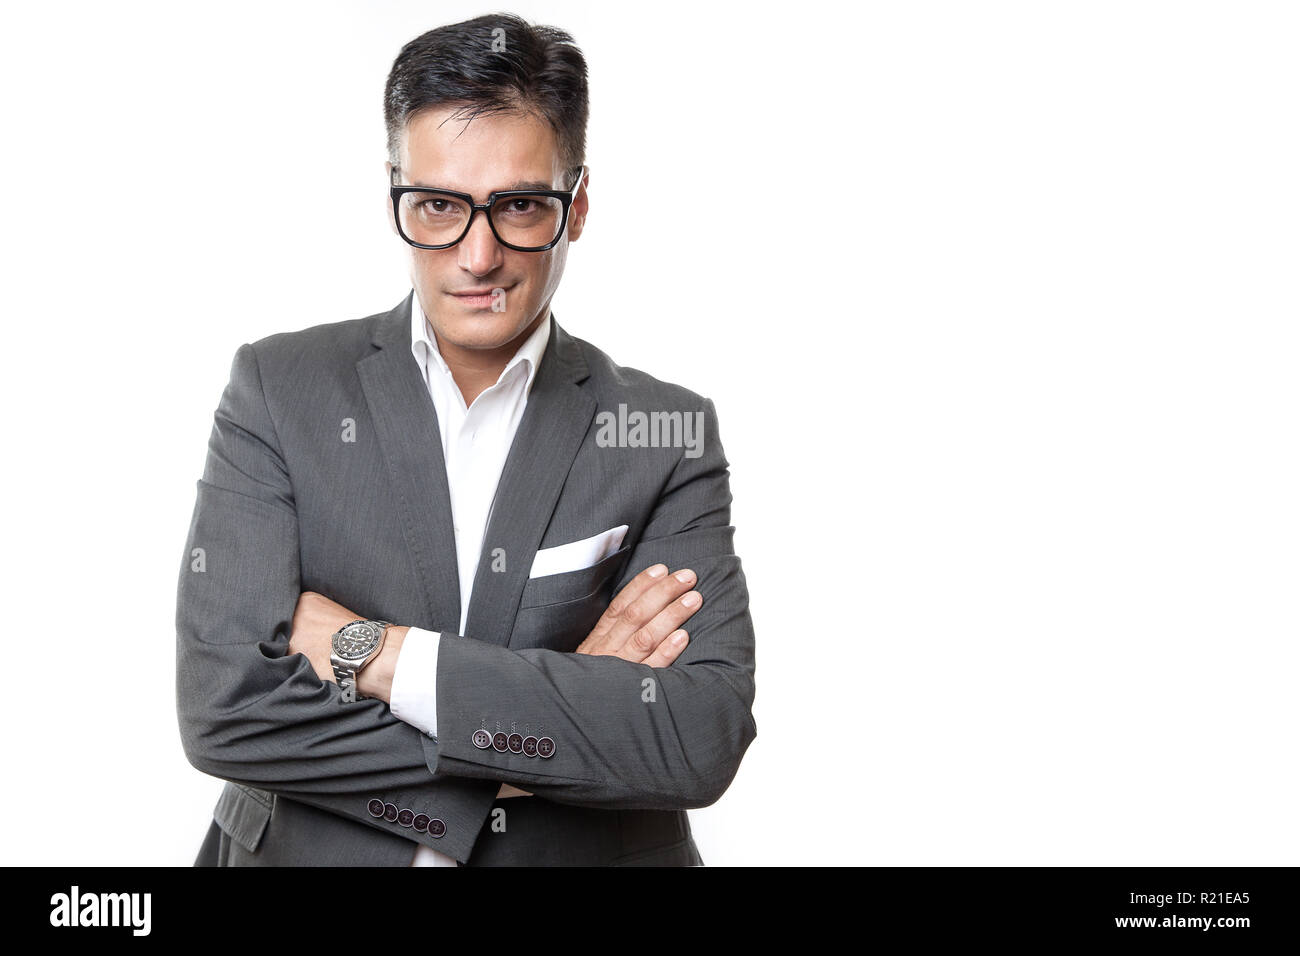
(485, 330)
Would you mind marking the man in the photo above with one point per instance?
(436, 593)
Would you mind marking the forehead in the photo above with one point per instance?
(492, 151)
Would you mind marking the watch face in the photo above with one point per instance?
(357, 640)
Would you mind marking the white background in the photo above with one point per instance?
(997, 303)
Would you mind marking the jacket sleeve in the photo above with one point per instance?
(249, 712)
(625, 735)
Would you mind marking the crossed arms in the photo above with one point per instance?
(253, 712)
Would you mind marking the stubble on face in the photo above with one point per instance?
(491, 152)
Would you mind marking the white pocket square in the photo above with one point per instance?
(577, 555)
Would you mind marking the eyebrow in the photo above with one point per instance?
(528, 184)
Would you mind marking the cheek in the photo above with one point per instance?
(533, 273)
(433, 267)
(546, 272)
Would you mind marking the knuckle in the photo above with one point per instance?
(636, 611)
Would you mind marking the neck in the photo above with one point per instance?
(476, 370)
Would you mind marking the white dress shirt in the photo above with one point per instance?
(475, 442)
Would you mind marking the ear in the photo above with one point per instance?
(578, 211)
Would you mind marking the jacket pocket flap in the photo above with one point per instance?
(572, 585)
(242, 813)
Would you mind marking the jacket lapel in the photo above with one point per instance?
(553, 426)
(554, 423)
(407, 427)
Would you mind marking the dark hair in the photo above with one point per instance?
(539, 70)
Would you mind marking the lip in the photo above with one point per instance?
(479, 298)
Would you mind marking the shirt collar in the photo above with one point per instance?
(529, 353)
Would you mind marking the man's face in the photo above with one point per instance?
(493, 152)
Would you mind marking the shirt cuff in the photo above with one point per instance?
(413, 697)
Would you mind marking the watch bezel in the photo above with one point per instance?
(373, 630)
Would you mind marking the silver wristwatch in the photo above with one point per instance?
(353, 647)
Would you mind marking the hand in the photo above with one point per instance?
(642, 624)
(315, 619)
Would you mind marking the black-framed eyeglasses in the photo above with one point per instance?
(526, 220)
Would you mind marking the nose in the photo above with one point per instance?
(479, 252)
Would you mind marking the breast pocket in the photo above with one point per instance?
(559, 610)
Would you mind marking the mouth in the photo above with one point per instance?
(483, 297)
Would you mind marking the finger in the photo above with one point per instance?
(644, 609)
(644, 642)
(669, 650)
(630, 593)
(617, 607)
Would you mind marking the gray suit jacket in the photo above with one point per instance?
(285, 505)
